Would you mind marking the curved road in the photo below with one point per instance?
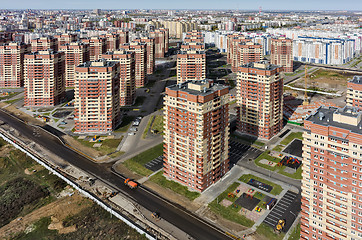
(186, 221)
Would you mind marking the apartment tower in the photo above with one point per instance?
(196, 139)
(75, 53)
(233, 52)
(12, 64)
(161, 42)
(66, 38)
(249, 52)
(44, 43)
(96, 96)
(150, 49)
(282, 53)
(191, 65)
(354, 92)
(44, 83)
(126, 60)
(112, 41)
(123, 37)
(260, 99)
(332, 175)
(97, 46)
(140, 60)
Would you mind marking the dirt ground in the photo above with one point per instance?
(80, 147)
(224, 222)
(126, 172)
(21, 114)
(57, 210)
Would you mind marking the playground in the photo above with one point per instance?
(291, 162)
(260, 185)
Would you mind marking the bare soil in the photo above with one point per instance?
(25, 117)
(80, 147)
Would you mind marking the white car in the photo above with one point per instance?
(131, 133)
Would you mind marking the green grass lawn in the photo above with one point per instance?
(278, 148)
(156, 125)
(231, 213)
(12, 101)
(108, 145)
(277, 189)
(159, 179)
(136, 164)
(125, 124)
(268, 232)
(323, 73)
(291, 137)
(295, 233)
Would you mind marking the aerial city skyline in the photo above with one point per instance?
(189, 120)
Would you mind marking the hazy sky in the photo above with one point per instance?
(185, 4)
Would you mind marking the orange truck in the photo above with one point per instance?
(131, 184)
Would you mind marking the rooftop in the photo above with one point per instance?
(199, 88)
(356, 80)
(98, 63)
(345, 118)
(263, 65)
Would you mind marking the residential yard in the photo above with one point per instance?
(277, 189)
(136, 164)
(291, 137)
(232, 212)
(278, 169)
(159, 179)
(268, 232)
(157, 125)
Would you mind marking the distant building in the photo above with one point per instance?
(248, 52)
(66, 38)
(44, 43)
(161, 42)
(112, 41)
(140, 60)
(354, 92)
(44, 83)
(150, 51)
(331, 178)
(196, 140)
(191, 65)
(12, 64)
(123, 37)
(233, 52)
(96, 96)
(97, 46)
(176, 28)
(126, 60)
(75, 53)
(282, 53)
(260, 99)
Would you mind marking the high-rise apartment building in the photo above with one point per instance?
(12, 64)
(354, 92)
(176, 28)
(249, 52)
(150, 51)
(191, 65)
(140, 60)
(126, 60)
(192, 46)
(123, 37)
(44, 83)
(161, 42)
(66, 38)
(44, 43)
(260, 99)
(196, 140)
(96, 95)
(112, 41)
(332, 175)
(282, 53)
(97, 46)
(233, 49)
(75, 53)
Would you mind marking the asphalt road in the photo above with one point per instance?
(186, 221)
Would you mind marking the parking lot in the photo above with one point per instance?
(287, 208)
(156, 164)
(239, 151)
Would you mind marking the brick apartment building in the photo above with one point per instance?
(65, 38)
(282, 53)
(96, 96)
(191, 65)
(97, 46)
(354, 92)
(44, 43)
(260, 99)
(233, 52)
(140, 51)
(112, 41)
(123, 37)
(248, 52)
(161, 41)
(44, 83)
(196, 139)
(75, 53)
(12, 64)
(150, 50)
(126, 60)
(332, 175)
